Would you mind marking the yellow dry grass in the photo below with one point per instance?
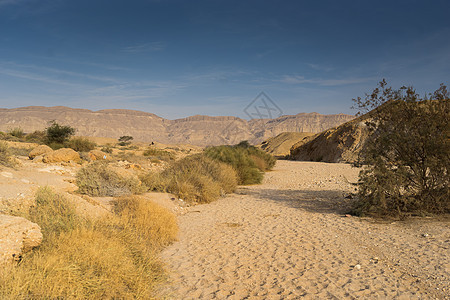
(112, 258)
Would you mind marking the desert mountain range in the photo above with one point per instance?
(147, 127)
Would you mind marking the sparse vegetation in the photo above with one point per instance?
(249, 161)
(80, 144)
(107, 149)
(407, 157)
(36, 137)
(195, 178)
(17, 132)
(19, 151)
(5, 155)
(159, 154)
(99, 179)
(111, 258)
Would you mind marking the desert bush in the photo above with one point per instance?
(248, 161)
(107, 149)
(155, 181)
(19, 151)
(262, 159)
(160, 154)
(112, 258)
(131, 157)
(55, 146)
(16, 132)
(407, 156)
(146, 220)
(5, 155)
(99, 179)
(37, 136)
(58, 134)
(80, 144)
(195, 178)
(53, 213)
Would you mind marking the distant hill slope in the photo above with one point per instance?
(281, 144)
(147, 127)
(339, 144)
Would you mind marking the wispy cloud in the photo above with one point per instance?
(51, 75)
(145, 47)
(33, 76)
(318, 67)
(296, 79)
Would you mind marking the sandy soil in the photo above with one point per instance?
(289, 238)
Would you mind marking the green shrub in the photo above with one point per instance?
(248, 161)
(125, 140)
(58, 134)
(80, 144)
(99, 179)
(55, 146)
(407, 156)
(195, 178)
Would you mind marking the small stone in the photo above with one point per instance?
(7, 174)
(425, 234)
(358, 267)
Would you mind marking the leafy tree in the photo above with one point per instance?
(407, 157)
(125, 140)
(58, 134)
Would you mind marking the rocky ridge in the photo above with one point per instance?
(146, 127)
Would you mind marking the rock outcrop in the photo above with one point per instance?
(280, 145)
(39, 150)
(338, 144)
(17, 236)
(98, 155)
(147, 127)
(61, 155)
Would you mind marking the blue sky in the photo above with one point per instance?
(181, 58)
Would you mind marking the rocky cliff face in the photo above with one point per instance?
(339, 144)
(147, 127)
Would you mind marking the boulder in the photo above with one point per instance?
(61, 155)
(17, 236)
(98, 155)
(39, 150)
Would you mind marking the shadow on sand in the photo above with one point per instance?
(324, 201)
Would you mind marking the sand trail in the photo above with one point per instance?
(288, 239)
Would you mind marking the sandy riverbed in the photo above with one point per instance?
(289, 238)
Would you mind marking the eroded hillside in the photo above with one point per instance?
(147, 127)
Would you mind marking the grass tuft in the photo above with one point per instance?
(249, 161)
(112, 258)
(98, 179)
(195, 178)
(80, 144)
(5, 155)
